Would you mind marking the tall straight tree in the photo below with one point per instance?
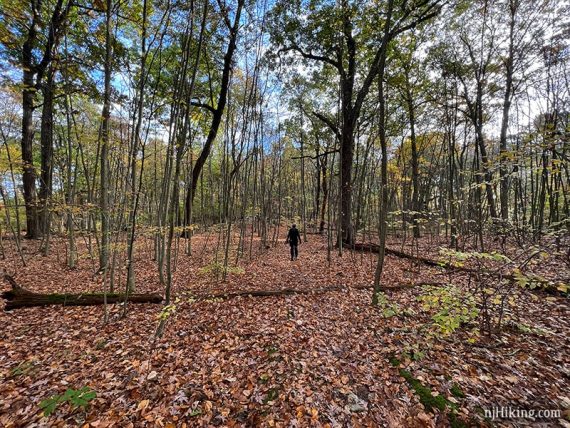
(352, 38)
(105, 134)
(46, 138)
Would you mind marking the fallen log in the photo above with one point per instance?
(19, 297)
(267, 293)
(291, 291)
(544, 284)
(374, 248)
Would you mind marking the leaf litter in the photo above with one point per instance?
(293, 360)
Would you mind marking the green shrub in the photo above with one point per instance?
(388, 308)
(217, 269)
(452, 307)
(75, 397)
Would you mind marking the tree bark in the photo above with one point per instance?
(46, 139)
(28, 97)
(105, 131)
(415, 162)
(384, 188)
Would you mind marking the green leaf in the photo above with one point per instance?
(49, 404)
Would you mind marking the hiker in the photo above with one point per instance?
(294, 239)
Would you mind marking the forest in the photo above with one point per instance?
(284, 213)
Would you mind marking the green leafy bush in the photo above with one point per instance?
(452, 307)
(388, 308)
(166, 312)
(217, 269)
(75, 397)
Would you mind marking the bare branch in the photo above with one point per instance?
(203, 105)
(327, 122)
(309, 55)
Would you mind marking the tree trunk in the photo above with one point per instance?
(384, 187)
(105, 131)
(415, 162)
(483, 151)
(346, 159)
(505, 119)
(451, 124)
(325, 194)
(29, 174)
(46, 139)
(136, 142)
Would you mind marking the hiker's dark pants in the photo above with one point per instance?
(294, 250)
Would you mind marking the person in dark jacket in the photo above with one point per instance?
(294, 239)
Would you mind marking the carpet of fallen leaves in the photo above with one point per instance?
(297, 360)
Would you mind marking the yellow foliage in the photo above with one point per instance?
(14, 155)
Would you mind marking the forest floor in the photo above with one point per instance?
(326, 359)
